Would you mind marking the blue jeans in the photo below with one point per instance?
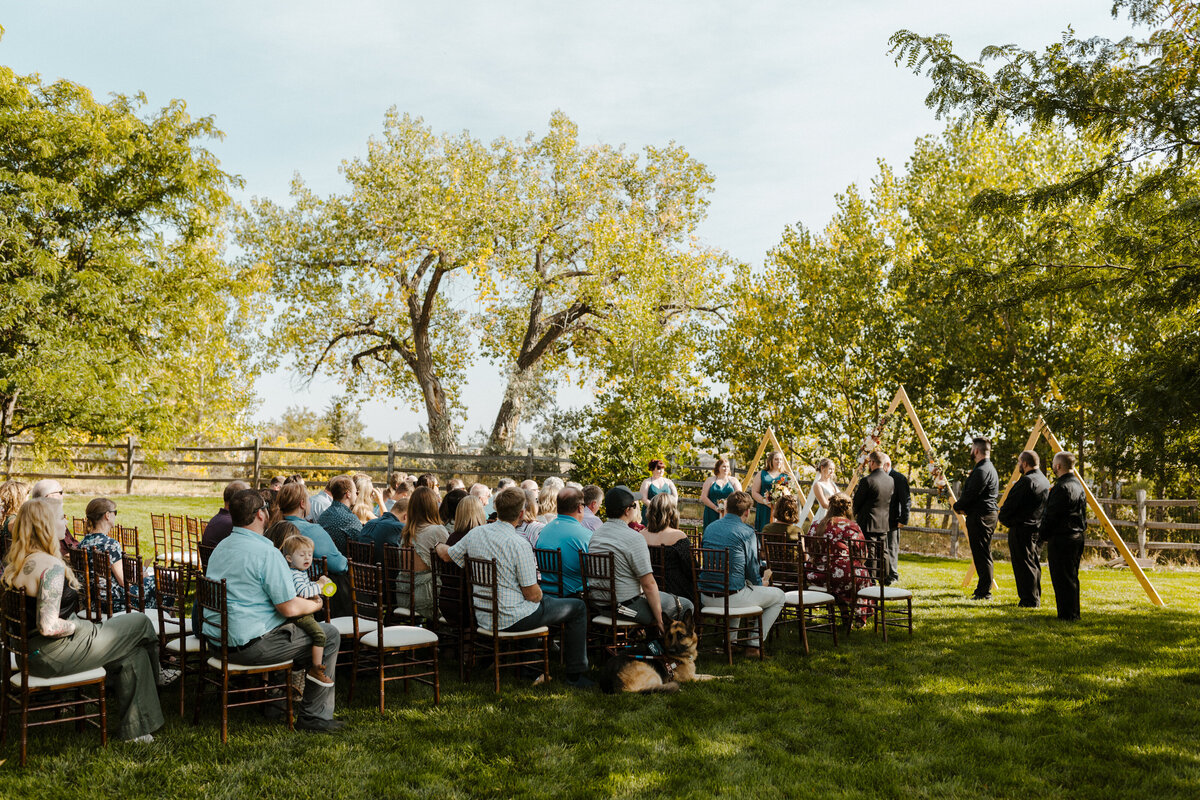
(571, 612)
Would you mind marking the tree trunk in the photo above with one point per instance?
(441, 430)
(512, 410)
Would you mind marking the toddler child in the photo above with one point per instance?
(298, 550)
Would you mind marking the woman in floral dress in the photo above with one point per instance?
(101, 517)
(842, 571)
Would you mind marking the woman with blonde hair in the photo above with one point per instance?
(101, 516)
(548, 503)
(63, 643)
(12, 495)
(467, 517)
(530, 526)
(369, 504)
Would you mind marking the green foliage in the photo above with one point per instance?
(117, 314)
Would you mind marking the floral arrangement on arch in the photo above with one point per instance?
(871, 443)
(935, 473)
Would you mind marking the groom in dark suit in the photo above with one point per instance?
(873, 501)
(897, 517)
(978, 504)
(1021, 513)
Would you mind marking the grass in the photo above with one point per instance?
(984, 700)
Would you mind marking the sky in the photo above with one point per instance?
(787, 103)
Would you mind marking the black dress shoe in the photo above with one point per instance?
(981, 597)
(318, 725)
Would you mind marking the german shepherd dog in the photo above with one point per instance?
(637, 669)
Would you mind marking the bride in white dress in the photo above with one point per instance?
(823, 488)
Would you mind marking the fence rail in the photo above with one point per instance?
(129, 462)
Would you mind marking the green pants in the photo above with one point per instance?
(127, 647)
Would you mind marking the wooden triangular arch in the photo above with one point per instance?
(931, 462)
(768, 438)
(1041, 429)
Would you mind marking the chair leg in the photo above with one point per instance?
(381, 680)
(437, 682)
(287, 695)
(546, 655)
(224, 706)
(103, 715)
(353, 670)
(882, 618)
(24, 728)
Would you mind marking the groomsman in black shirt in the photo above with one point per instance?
(1063, 524)
(897, 516)
(873, 500)
(1021, 513)
(978, 504)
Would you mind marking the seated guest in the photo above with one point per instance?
(592, 497)
(292, 501)
(101, 516)
(482, 493)
(48, 487)
(279, 532)
(450, 505)
(338, 520)
(262, 598)
(529, 485)
(733, 534)
(522, 605)
(12, 495)
(784, 516)
(429, 480)
(387, 529)
(566, 533)
(271, 498)
(276, 483)
(62, 643)
(467, 517)
(662, 530)
(319, 503)
(547, 503)
(844, 575)
(220, 525)
(530, 526)
(369, 504)
(455, 483)
(298, 552)
(423, 532)
(635, 585)
(294, 478)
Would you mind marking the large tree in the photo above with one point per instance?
(1135, 100)
(116, 310)
(529, 253)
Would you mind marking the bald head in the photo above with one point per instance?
(232, 488)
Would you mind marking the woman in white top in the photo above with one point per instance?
(824, 487)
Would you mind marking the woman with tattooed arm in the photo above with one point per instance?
(63, 643)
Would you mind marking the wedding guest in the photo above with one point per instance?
(845, 574)
(566, 534)
(450, 504)
(662, 530)
(221, 525)
(978, 504)
(593, 495)
(455, 483)
(784, 516)
(101, 516)
(12, 494)
(658, 483)
(716, 489)
(529, 527)
(49, 487)
(1021, 514)
(319, 503)
(64, 642)
(369, 504)
(1062, 528)
(468, 516)
(760, 489)
(387, 529)
(423, 532)
(547, 503)
(338, 520)
(529, 485)
(898, 513)
(276, 483)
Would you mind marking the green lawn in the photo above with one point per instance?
(985, 700)
(134, 510)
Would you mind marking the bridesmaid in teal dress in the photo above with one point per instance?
(658, 483)
(717, 489)
(760, 487)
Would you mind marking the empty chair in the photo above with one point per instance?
(789, 572)
(877, 596)
(736, 625)
(507, 649)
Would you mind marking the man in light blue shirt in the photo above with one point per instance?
(567, 534)
(521, 604)
(593, 495)
(733, 534)
(261, 598)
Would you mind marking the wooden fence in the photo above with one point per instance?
(255, 462)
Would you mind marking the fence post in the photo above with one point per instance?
(257, 461)
(129, 464)
(387, 479)
(954, 523)
(1141, 522)
(529, 464)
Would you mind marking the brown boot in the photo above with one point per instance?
(316, 674)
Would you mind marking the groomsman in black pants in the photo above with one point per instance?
(873, 500)
(1021, 513)
(978, 504)
(1062, 528)
(897, 516)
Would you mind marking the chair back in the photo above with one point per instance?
(128, 539)
(658, 565)
(176, 539)
(135, 574)
(485, 591)
(399, 572)
(173, 584)
(192, 542)
(871, 556)
(786, 562)
(80, 565)
(712, 578)
(451, 592)
(817, 561)
(101, 580)
(317, 569)
(360, 551)
(212, 596)
(78, 527)
(158, 532)
(599, 582)
(14, 632)
(695, 535)
(549, 563)
(370, 596)
(204, 552)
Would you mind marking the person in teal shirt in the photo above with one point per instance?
(760, 488)
(567, 534)
(657, 483)
(717, 489)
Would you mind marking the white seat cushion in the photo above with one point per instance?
(401, 611)
(400, 636)
(170, 626)
(734, 611)
(811, 598)
(604, 619)
(515, 634)
(345, 625)
(889, 593)
(62, 680)
(818, 589)
(192, 643)
(215, 663)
